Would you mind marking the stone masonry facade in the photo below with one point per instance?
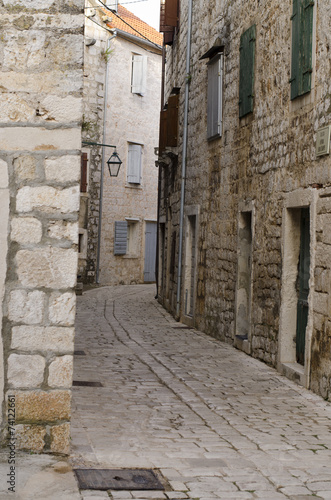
(256, 177)
(125, 118)
(41, 56)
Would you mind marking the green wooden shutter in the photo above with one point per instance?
(307, 44)
(302, 42)
(246, 77)
(295, 64)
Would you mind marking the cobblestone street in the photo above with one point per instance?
(216, 423)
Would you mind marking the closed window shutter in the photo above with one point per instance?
(163, 131)
(121, 234)
(172, 121)
(302, 42)
(134, 163)
(214, 97)
(307, 44)
(139, 74)
(246, 77)
(83, 173)
(171, 13)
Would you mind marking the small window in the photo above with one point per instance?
(134, 164)
(246, 77)
(139, 74)
(83, 173)
(132, 238)
(302, 40)
(214, 98)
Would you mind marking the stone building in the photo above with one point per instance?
(245, 205)
(41, 80)
(122, 91)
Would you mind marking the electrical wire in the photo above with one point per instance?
(122, 3)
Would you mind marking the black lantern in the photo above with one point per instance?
(114, 164)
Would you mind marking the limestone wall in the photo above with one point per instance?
(40, 140)
(258, 163)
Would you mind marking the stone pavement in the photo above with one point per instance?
(215, 422)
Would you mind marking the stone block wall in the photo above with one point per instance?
(41, 77)
(259, 161)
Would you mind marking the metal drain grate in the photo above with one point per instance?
(83, 383)
(117, 479)
(79, 353)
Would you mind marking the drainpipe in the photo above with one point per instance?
(103, 162)
(184, 155)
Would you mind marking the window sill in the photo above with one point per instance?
(130, 256)
(133, 186)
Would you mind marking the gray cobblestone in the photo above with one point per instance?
(215, 422)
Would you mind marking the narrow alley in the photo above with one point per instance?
(215, 423)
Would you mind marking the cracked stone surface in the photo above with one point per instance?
(217, 423)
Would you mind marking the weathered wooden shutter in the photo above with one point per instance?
(166, 29)
(83, 173)
(295, 66)
(214, 97)
(163, 131)
(246, 78)
(139, 74)
(171, 13)
(302, 42)
(134, 163)
(307, 44)
(121, 234)
(172, 120)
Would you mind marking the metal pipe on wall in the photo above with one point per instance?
(184, 155)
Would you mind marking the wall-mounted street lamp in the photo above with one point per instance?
(114, 163)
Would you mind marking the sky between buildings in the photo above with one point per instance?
(146, 10)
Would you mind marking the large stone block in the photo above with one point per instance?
(63, 229)
(60, 438)
(43, 339)
(25, 167)
(39, 139)
(3, 174)
(26, 307)
(30, 437)
(48, 199)
(61, 109)
(30, 4)
(60, 372)
(48, 82)
(62, 308)
(47, 267)
(25, 371)
(26, 230)
(40, 406)
(63, 168)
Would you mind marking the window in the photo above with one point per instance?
(214, 98)
(246, 77)
(126, 237)
(169, 123)
(138, 74)
(134, 164)
(302, 39)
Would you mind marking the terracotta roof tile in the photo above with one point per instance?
(136, 26)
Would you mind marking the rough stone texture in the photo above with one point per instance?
(60, 434)
(62, 308)
(25, 167)
(259, 160)
(120, 199)
(25, 371)
(26, 230)
(63, 169)
(30, 437)
(47, 267)
(40, 407)
(63, 229)
(26, 307)
(48, 199)
(42, 339)
(60, 372)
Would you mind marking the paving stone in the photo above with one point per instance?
(209, 417)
